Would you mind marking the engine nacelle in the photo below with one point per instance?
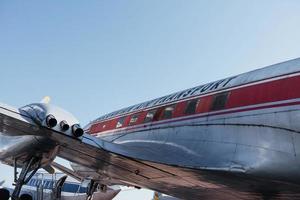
(64, 125)
(77, 130)
(54, 118)
(51, 121)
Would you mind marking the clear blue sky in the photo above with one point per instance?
(93, 57)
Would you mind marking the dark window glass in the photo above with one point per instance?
(149, 117)
(133, 119)
(168, 112)
(120, 122)
(191, 106)
(219, 101)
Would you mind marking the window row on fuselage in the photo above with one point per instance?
(49, 184)
(265, 92)
(180, 109)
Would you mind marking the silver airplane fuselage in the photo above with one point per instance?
(247, 124)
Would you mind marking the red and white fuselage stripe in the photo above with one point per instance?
(269, 93)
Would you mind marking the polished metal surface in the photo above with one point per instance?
(243, 155)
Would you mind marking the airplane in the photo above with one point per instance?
(44, 186)
(235, 138)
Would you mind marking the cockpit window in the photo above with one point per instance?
(120, 122)
(149, 117)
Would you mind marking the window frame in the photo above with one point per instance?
(163, 112)
(188, 103)
(122, 123)
(218, 103)
(153, 111)
(137, 115)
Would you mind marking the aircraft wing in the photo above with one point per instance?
(112, 162)
(88, 151)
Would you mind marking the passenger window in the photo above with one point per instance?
(120, 122)
(149, 117)
(191, 107)
(219, 101)
(133, 119)
(168, 112)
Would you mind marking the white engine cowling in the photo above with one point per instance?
(53, 117)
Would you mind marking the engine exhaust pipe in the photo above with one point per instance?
(64, 125)
(77, 131)
(51, 121)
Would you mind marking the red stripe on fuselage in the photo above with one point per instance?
(154, 124)
(267, 92)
